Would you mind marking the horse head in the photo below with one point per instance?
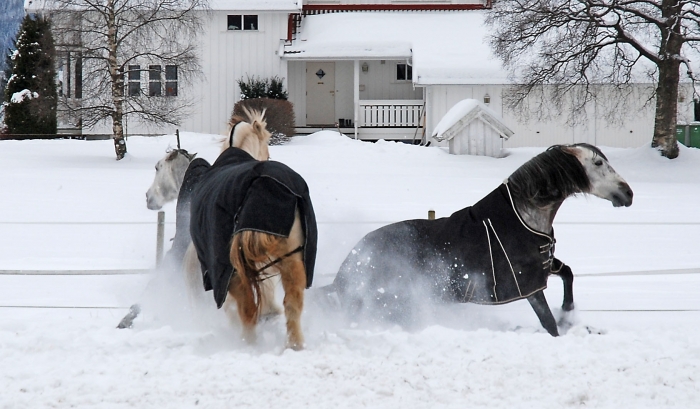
(605, 183)
(169, 174)
(252, 135)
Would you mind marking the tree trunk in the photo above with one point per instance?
(667, 109)
(117, 84)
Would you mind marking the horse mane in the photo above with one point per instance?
(551, 176)
(258, 127)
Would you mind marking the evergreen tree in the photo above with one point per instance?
(30, 95)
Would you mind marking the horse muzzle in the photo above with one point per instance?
(623, 196)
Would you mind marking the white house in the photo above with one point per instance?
(386, 69)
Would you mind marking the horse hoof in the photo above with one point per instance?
(296, 346)
(128, 320)
(567, 306)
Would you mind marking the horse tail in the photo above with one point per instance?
(249, 250)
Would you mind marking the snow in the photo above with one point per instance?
(462, 109)
(385, 35)
(18, 97)
(68, 205)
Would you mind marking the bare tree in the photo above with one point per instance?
(114, 41)
(574, 46)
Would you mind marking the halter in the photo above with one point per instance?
(230, 136)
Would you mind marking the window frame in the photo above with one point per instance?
(407, 72)
(171, 80)
(155, 80)
(133, 84)
(241, 20)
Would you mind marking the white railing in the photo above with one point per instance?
(390, 113)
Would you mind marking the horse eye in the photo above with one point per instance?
(599, 162)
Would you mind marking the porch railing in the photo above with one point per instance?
(390, 113)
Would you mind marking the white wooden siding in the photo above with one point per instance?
(635, 129)
(228, 56)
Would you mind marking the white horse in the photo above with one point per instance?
(169, 174)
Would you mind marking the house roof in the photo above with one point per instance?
(462, 114)
(256, 5)
(233, 5)
(445, 47)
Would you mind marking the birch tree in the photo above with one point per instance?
(117, 40)
(572, 46)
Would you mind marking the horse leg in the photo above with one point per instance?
(539, 304)
(247, 311)
(268, 306)
(567, 276)
(293, 275)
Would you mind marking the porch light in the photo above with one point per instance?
(487, 99)
(365, 67)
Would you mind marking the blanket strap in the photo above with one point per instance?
(272, 263)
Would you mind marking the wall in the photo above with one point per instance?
(634, 127)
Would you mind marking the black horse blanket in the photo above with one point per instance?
(482, 254)
(240, 193)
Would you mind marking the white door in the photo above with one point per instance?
(320, 93)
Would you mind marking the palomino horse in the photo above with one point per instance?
(497, 251)
(252, 219)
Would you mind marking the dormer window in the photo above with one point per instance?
(238, 22)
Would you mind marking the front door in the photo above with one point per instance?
(320, 93)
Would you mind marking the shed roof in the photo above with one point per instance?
(462, 114)
(445, 47)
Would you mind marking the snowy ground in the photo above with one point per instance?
(67, 205)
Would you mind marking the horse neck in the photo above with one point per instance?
(540, 218)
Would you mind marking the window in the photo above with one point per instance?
(404, 72)
(154, 81)
(134, 76)
(79, 76)
(171, 80)
(248, 22)
(235, 22)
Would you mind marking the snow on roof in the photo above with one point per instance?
(446, 47)
(463, 113)
(233, 5)
(256, 5)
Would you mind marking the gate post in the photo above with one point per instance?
(160, 237)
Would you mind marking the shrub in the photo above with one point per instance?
(256, 87)
(279, 115)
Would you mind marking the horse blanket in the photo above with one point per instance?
(482, 254)
(240, 193)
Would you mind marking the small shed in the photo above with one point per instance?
(471, 128)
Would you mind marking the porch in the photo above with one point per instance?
(380, 119)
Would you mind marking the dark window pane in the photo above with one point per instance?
(400, 72)
(154, 72)
(154, 89)
(233, 22)
(404, 72)
(250, 22)
(79, 76)
(171, 88)
(171, 72)
(134, 89)
(134, 72)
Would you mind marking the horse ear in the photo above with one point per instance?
(171, 155)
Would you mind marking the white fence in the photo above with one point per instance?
(390, 113)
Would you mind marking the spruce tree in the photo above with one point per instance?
(30, 95)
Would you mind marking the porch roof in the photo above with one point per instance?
(445, 47)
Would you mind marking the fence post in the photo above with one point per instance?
(431, 214)
(160, 237)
